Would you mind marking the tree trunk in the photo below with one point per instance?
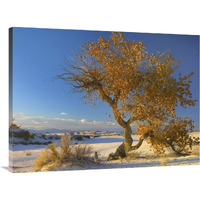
(123, 149)
(126, 146)
(127, 139)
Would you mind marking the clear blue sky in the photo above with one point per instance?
(39, 102)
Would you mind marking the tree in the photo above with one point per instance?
(137, 85)
(173, 135)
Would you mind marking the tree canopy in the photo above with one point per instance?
(137, 85)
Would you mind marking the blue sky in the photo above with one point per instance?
(41, 102)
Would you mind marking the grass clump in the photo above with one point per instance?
(82, 152)
(164, 161)
(53, 157)
(49, 157)
(27, 153)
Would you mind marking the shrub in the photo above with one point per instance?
(53, 157)
(21, 133)
(45, 143)
(23, 142)
(71, 133)
(50, 137)
(47, 157)
(65, 147)
(26, 135)
(94, 133)
(177, 136)
(82, 152)
(86, 136)
(78, 137)
(43, 136)
(57, 137)
(173, 135)
(37, 142)
(82, 133)
(32, 136)
(53, 153)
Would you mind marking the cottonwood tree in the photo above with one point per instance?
(137, 85)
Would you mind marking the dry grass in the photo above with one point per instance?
(164, 160)
(49, 157)
(28, 153)
(53, 157)
(82, 151)
(65, 150)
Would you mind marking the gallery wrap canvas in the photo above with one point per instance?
(83, 99)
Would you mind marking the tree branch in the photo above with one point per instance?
(118, 117)
(104, 96)
(116, 96)
(131, 120)
(140, 141)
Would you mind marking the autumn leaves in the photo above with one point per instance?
(139, 86)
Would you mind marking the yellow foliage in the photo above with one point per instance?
(173, 134)
(137, 85)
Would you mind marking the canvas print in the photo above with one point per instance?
(84, 100)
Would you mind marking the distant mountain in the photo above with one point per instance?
(51, 130)
(55, 130)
